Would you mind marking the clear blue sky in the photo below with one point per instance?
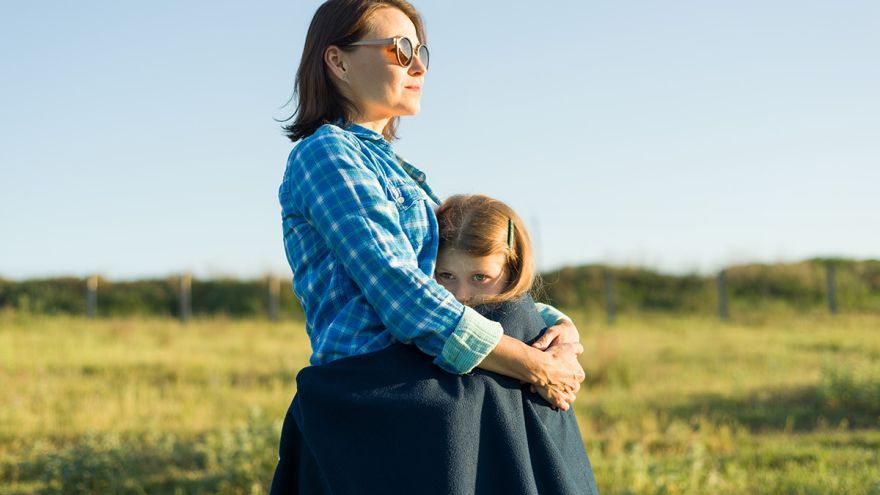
(137, 138)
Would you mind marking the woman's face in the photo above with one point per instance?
(471, 278)
(373, 80)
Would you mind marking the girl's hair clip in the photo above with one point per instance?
(510, 229)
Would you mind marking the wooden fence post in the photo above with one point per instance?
(608, 283)
(831, 288)
(274, 293)
(721, 282)
(92, 297)
(185, 297)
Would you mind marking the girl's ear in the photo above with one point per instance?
(334, 59)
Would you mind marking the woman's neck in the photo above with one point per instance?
(375, 125)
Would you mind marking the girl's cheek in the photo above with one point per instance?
(497, 288)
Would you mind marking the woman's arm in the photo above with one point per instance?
(331, 184)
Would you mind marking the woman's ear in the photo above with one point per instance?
(334, 59)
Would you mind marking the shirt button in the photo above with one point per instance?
(400, 199)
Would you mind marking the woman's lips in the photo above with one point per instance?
(413, 88)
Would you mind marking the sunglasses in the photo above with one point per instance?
(404, 48)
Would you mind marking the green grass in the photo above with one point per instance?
(690, 405)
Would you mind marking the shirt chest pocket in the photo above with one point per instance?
(406, 196)
(410, 200)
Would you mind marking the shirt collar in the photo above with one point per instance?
(359, 130)
(410, 170)
(364, 133)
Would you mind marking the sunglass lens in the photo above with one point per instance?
(424, 56)
(405, 51)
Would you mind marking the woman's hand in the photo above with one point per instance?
(560, 374)
(563, 332)
(555, 374)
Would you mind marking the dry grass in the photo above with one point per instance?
(768, 404)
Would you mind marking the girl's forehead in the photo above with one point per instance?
(467, 261)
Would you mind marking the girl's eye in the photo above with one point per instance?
(480, 277)
(445, 275)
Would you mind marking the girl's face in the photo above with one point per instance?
(471, 278)
(374, 80)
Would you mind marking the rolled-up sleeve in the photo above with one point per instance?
(340, 194)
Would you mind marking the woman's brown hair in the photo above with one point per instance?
(337, 23)
(480, 226)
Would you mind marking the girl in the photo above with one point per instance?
(485, 253)
(485, 259)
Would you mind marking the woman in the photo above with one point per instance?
(361, 237)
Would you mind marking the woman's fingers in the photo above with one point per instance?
(565, 350)
(567, 400)
(547, 339)
(559, 396)
(568, 353)
(563, 332)
(568, 333)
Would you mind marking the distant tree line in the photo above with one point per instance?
(153, 297)
(798, 286)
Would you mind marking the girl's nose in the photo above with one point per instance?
(463, 295)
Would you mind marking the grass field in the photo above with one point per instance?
(783, 404)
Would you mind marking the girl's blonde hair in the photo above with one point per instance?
(481, 226)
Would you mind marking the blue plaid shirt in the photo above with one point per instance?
(361, 237)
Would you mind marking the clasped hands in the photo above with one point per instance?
(561, 374)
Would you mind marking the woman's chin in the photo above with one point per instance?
(410, 109)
